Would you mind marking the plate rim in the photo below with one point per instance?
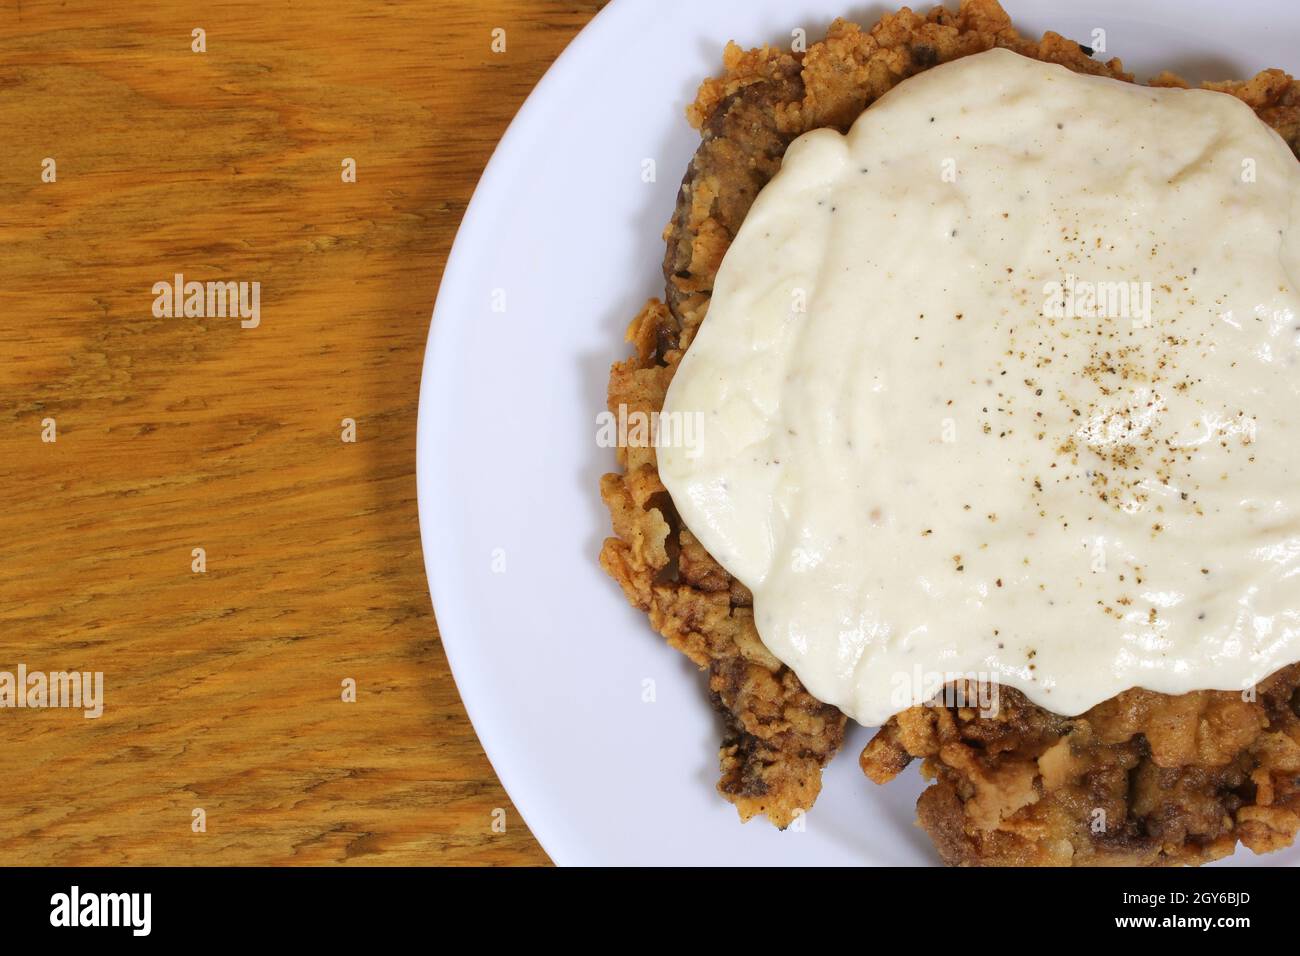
(433, 419)
(430, 468)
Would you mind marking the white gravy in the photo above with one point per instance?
(931, 453)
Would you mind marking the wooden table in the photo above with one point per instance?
(225, 670)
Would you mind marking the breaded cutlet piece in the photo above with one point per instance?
(778, 737)
(1142, 779)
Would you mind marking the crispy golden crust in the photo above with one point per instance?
(778, 737)
(1022, 787)
(1142, 779)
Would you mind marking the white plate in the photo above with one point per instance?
(548, 656)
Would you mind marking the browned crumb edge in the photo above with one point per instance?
(1143, 778)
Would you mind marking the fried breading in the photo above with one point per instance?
(1171, 779)
(1141, 779)
(778, 737)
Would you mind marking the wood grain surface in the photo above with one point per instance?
(223, 689)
